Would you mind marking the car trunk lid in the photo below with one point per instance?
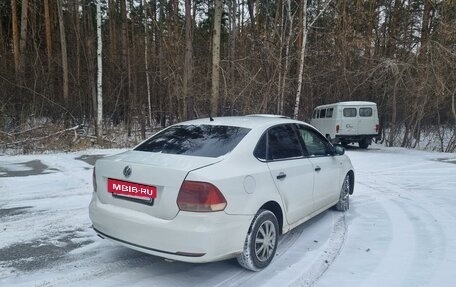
(165, 172)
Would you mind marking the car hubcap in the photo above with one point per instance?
(265, 241)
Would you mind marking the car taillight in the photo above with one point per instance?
(200, 197)
(337, 129)
(94, 180)
(377, 128)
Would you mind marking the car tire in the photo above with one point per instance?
(344, 199)
(261, 242)
(364, 143)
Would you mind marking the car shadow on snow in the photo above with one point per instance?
(40, 253)
(228, 271)
(90, 158)
(33, 167)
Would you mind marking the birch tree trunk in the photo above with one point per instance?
(303, 54)
(99, 76)
(305, 32)
(216, 57)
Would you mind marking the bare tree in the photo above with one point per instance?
(290, 17)
(47, 25)
(23, 37)
(188, 63)
(15, 34)
(216, 57)
(146, 60)
(99, 76)
(305, 32)
(63, 46)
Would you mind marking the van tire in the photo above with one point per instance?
(364, 143)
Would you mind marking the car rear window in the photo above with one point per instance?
(195, 140)
(365, 112)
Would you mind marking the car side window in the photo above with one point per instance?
(260, 149)
(315, 144)
(283, 143)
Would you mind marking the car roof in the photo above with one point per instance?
(250, 121)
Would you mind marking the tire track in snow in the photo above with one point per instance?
(434, 232)
(421, 232)
(307, 269)
(327, 257)
(286, 242)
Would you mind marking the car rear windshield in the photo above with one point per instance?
(195, 140)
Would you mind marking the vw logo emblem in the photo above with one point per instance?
(127, 171)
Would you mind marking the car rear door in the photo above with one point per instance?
(293, 174)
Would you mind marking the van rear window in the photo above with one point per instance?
(350, 112)
(365, 112)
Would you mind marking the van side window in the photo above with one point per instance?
(329, 113)
(365, 112)
(350, 112)
(322, 113)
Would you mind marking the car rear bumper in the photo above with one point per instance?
(355, 137)
(190, 236)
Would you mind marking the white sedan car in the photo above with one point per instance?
(213, 189)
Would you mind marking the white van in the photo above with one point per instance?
(348, 122)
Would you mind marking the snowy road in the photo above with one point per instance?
(399, 231)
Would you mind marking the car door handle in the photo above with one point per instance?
(281, 175)
(317, 169)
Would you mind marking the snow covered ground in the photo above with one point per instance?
(399, 231)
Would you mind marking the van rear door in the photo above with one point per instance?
(368, 120)
(349, 123)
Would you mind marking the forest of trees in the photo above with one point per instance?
(166, 61)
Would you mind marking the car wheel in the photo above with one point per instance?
(261, 242)
(364, 143)
(344, 200)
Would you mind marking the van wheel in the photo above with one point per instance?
(364, 143)
(261, 242)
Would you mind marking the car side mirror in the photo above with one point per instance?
(339, 150)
